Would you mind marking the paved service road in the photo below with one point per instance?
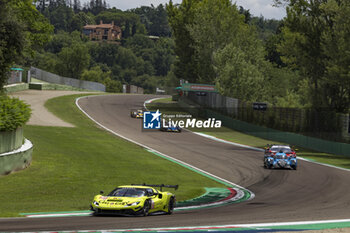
(40, 115)
(313, 192)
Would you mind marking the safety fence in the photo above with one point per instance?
(54, 78)
(320, 123)
(267, 133)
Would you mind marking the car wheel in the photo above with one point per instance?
(146, 208)
(294, 167)
(171, 205)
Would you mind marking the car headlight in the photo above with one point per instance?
(132, 204)
(96, 203)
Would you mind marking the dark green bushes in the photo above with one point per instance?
(14, 113)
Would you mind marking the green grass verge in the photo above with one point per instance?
(71, 165)
(167, 106)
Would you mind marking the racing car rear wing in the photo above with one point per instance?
(161, 186)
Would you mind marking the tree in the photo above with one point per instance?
(155, 20)
(128, 21)
(271, 45)
(314, 42)
(246, 13)
(76, 6)
(216, 23)
(95, 74)
(301, 45)
(159, 53)
(12, 40)
(97, 6)
(81, 19)
(60, 15)
(336, 45)
(62, 39)
(240, 74)
(73, 60)
(113, 85)
(180, 17)
(22, 30)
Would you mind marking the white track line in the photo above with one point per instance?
(252, 195)
(251, 147)
(221, 227)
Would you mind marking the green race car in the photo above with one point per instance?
(135, 200)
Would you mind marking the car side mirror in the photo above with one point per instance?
(101, 192)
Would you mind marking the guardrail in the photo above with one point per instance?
(54, 78)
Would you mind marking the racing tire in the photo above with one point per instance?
(294, 167)
(171, 205)
(146, 208)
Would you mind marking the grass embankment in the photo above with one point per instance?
(167, 106)
(71, 165)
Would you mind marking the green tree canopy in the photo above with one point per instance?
(216, 23)
(219, 48)
(128, 21)
(14, 113)
(73, 60)
(315, 42)
(155, 20)
(180, 16)
(22, 29)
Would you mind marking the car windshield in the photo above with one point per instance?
(127, 192)
(281, 149)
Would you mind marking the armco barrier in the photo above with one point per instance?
(275, 135)
(16, 160)
(54, 78)
(11, 140)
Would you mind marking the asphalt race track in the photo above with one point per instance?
(313, 192)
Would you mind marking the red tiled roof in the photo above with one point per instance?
(103, 26)
(90, 26)
(98, 26)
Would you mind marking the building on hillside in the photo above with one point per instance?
(100, 32)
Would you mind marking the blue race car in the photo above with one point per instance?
(280, 156)
(169, 127)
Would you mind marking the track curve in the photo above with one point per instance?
(313, 192)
